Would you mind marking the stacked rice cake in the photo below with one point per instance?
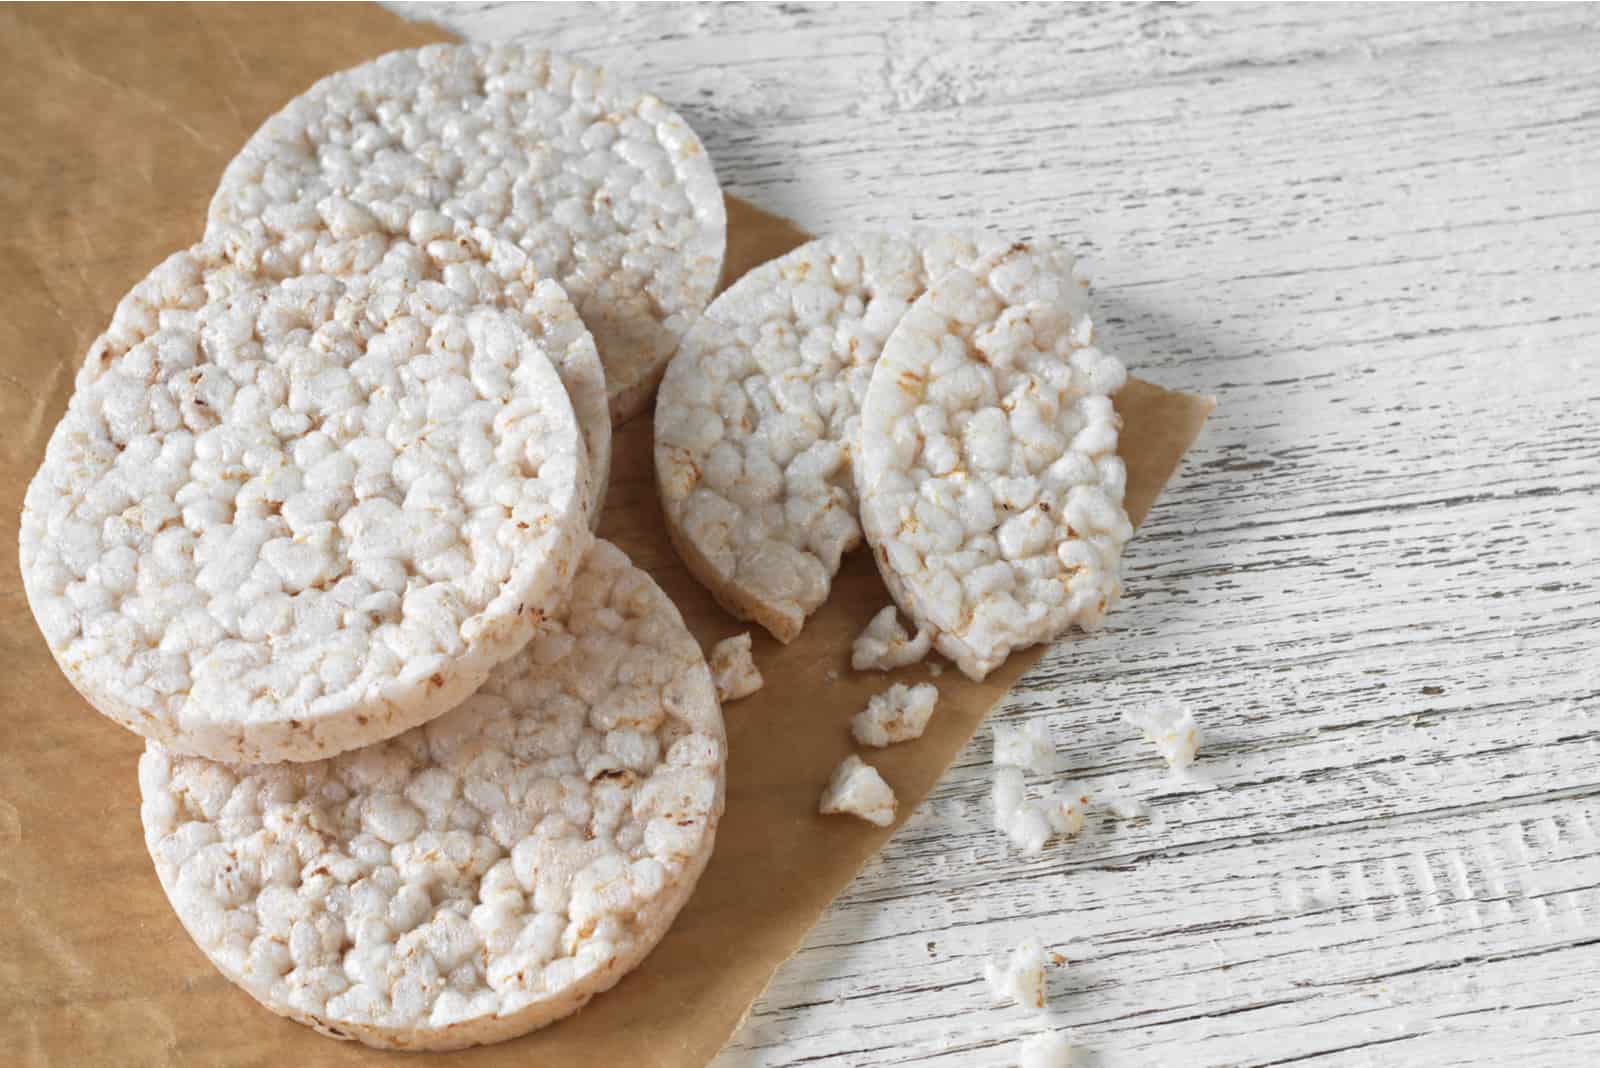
(427, 766)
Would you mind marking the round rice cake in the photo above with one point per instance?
(284, 518)
(990, 483)
(477, 877)
(606, 189)
(757, 419)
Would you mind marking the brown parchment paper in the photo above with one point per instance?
(115, 123)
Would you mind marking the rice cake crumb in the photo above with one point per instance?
(856, 789)
(885, 644)
(1029, 828)
(1028, 746)
(1009, 792)
(899, 714)
(1066, 811)
(734, 669)
(989, 478)
(1029, 823)
(479, 876)
(1020, 978)
(1025, 822)
(1171, 726)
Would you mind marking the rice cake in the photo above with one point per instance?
(990, 483)
(478, 877)
(282, 518)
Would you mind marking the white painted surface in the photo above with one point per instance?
(1374, 233)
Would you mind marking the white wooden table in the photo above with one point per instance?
(1374, 234)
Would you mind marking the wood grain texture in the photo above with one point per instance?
(1374, 233)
